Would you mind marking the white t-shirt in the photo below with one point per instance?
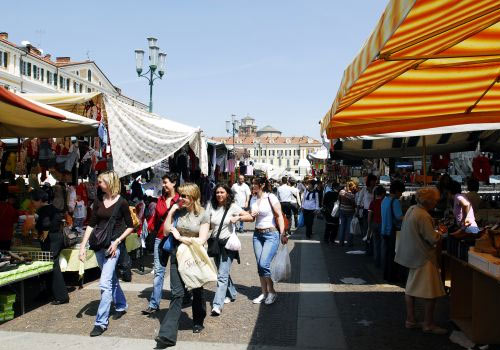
(265, 217)
(216, 217)
(241, 192)
(285, 193)
(295, 199)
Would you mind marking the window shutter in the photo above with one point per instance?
(29, 69)
(5, 59)
(42, 74)
(1, 58)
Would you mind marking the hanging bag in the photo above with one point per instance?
(336, 210)
(281, 268)
(301, 221)
(213, 249)
(195, 267)
(100, 238)
(233, 243)
(168, 243)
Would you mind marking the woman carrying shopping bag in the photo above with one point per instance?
(104, 234)
(191, 224)
(224, 214)
(269, 231)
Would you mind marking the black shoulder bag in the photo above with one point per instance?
(213, 249)
(100, 238)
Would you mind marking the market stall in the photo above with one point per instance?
(429, 68)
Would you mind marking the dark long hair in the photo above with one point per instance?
(264, 183)
(173, 178)
(229, 199)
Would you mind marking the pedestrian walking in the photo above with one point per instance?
(331, 222)
(242, 194)
(49, 226)
(365, 198)
(224, 216)
(187, 221)
(416, 250)
(285, 196)
(310, 206)
(374, 223)
(295, 201)
(269, 230)
(105, 234)
(156, 223)
(346, 212)
(392, 216)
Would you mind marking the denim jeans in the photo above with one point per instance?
(377, 244)
(345, 226)
(225, 285)
(110, 288)
(241, 226)
(159, 268)
(265, 246)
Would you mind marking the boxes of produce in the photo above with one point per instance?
(6, 307)
(7, 298)
(9, 315)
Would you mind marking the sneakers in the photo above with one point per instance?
(261, 298)
(149, 311)
(97, 331)
(271, 298)
(228, 300)
(216, 311)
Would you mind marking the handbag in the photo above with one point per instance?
(70, 237)
(233, 243)
(213, 249)
(169, 241)
(336, 210)
(195, 267)
(286, 222)
(100, 238)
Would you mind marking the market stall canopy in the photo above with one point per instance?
(21, 117)
(321, 154)
(138, 139)
(430, 67)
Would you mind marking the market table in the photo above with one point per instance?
(22, 273)
(474, 305)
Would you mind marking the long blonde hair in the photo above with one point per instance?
(193, 191)
(112, 181)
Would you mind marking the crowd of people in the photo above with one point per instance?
(403, 245)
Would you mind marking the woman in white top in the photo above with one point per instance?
(310, 206)
(224, 225)
(264, 206)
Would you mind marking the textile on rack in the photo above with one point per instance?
(140, 139)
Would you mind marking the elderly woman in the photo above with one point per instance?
(416, 250)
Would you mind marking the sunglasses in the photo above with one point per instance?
(184, 196)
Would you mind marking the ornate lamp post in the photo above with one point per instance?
(233, 126)
(156, 64)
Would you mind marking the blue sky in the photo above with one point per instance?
(279, 61)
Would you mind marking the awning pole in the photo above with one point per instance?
(424, 158)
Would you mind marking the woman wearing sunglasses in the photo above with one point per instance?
(191, 224)
(224, 214)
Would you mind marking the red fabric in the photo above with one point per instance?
(160, 211)
(16, 100)
(101, 165)
(440, 161)
(481, 168)
(8, 217)
(81, 190)
(376, 208)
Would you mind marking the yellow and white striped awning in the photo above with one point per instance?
(429, 65)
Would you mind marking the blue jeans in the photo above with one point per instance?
(225, 285)
(345, 226)
(154, 301)
(265, 246)
(241, 226)
(110, 288)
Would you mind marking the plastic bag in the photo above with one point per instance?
(281, 268)
(233, 243)
(336, 210)
(355, 228)
(195, 267)
(300, 221)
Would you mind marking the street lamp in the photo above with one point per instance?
(233, 126)
(156, 66)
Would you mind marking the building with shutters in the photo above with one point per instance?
(25, 68)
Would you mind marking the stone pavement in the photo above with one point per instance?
(315, 310)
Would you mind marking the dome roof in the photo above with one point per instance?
(268, 128)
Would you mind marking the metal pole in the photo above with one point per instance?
(424, 160)
(151, 93)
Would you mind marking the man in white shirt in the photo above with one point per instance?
(295, 200)
(285, 196)
(241, 193)
(363, 202)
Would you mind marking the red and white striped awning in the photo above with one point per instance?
(429, 67)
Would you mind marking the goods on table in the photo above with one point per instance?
(7, 306)
(485, 262)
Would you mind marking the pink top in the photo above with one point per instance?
(457, 210)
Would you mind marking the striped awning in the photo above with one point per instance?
(429, 67)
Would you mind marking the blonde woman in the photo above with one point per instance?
(187, 221)
(416, 249)
(105, 234)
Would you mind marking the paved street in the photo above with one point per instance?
(315, 310)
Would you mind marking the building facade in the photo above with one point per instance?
(26, 69)
(280, 151)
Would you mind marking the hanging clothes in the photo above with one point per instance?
(481, 168)
(71, 198)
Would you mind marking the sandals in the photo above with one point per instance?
(412, 325)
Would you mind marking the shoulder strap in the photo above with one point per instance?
(271, 205)
(221, 223)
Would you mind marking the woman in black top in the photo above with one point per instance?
(112, 211)
(49, 226)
